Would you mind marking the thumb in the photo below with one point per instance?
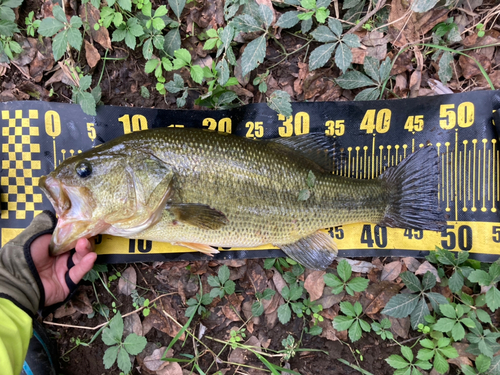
(77, 272)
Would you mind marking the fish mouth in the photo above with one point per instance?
(74, 206)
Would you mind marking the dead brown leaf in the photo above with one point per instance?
(153, 362)
(359, 265)
(232, 309)
(426, 266)
(132, 324)
(328, 332)
(391, 271)
(91, 15)
(315, 284)
(257, 276)
(494, 77)
(91, 54)
(82, 303)
(128, 281)
(159, 319)
(279, 281)
(378, 294)
(464, 358)
(298, 83)
(469, 66)
(173, 368)
(411, 263)
(400, 326)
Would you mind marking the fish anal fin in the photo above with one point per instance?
(316, 251)
(205, 249)
(198, 215)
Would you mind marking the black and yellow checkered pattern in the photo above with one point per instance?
(20, 153)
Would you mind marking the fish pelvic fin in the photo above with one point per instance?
(412, 188)
(316, 251)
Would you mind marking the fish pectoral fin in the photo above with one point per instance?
(316, 251)
(205, 249)
(198, 215)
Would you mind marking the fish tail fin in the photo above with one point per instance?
(413, 189)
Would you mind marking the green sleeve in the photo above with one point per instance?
(15, 333)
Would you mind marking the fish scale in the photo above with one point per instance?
(199, 189)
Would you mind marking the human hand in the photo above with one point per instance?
(52, 270)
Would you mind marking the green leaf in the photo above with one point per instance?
(229, 286)
(158, 24)
(305, 16)
(348, 309)
(130, 40)
(324, 34)
(306, 25)
(448, 311)
(422, 6)
(88, 104)
(110, 356)
(426, 343)
(446, 67)
(436, 299)
(332, 280)
(444, 324)
(493, 298)
(343, 57)
(351, 40)
(161, 11)
(177, 6)
(85, 82)
(371, 93)
(227, 36)
(407, 353)
(353, 80)
(134, 344)
(222, 68)
(358, 308)
(59, 14)
(257, 309)
(304, 195)
(74, 38)
(125, 5)
(288, 19)
(397, 362)
(216, 292)
(151, 65)
(483, 316)
(223, 274)
(401, 305)
(295, 292)
(119, 34)
(266, 14)
(423, 365)
(315, 330)
(344, 270)
(355, 332)
(342, 323)
(172, 41)
(284, 313)
(428, 281)
(210, 44)
(371, 67)
(411, 281)
(320, 56)
(449, 351)
(76, 22)
(482, 363)
(48, 27)
(279, 101)
(123, 360)
(425, 354)
(322, 14)
(253, 55)
(456, 282)
(246, 24)
(481, 277)
(335, 25)
(212, 280)
(184, 55)
(12, 3)
(419, 313)
(364, 325)
(197, 74)
(458, 332)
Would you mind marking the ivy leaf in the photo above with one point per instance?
(266, 14)
(343, 57)
(371, 68)
(335, 25)
(456, 282)
(353, 80)
(172, 41)
(351, 40)
(324, 34)
(177, 6)
(371, 93)
(246, 23)
(385, 72)
(253, 55)
(306, 25)
(320, 56)
(401, 305)
(279, 101)
(288, 19)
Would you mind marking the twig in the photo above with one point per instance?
(106, 323)
(407, 340)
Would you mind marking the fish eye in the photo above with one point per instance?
(83, 169)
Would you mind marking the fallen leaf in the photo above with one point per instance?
(132, 324)
(91, 54)
(173, 368)
(128, 281)
(159, 319)
(257, 276)
(469, 66)
(377, 296)
(391, 271)
(328, 299)
(91, 15)
(328, 332)
(426, 266)
(400, 326)
(153, 362)
(279, 281)
(411, 263)
(298, 83)
(314, 284)
(82, 303)
(358, 265)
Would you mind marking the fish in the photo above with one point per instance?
(203, 189)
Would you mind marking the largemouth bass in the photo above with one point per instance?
(200, 189)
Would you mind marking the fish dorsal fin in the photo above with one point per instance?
(198, 215)
(316, 251)
(316, 147)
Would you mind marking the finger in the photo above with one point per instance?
(82, 267)
(40, 248)
(82, 248)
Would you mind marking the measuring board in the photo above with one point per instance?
(37, 136)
